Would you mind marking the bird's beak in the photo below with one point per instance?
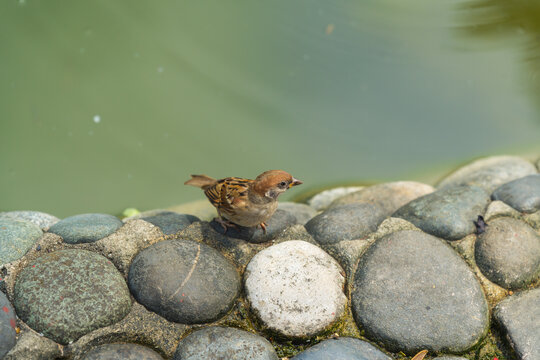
(295, 182)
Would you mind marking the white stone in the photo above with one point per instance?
(295, 288)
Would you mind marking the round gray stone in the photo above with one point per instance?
(522, 194)
(122, 352)
(302, 212)
(7, 325)
(508, 253)
(448, 213)
(280, 221)
(343, 348)
(16, 238)
(224, 343)
(184, 281)
(170, 222)
(345, 222)
(68, 293)
(86, 228)
(412, 291)
(295, 288)
(323, 199)
(41, 219)
(519, 317)
(489, 173)
(388, 196)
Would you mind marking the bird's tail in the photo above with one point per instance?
(201, 181)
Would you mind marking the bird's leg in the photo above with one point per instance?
(226, 224)
(263, 227)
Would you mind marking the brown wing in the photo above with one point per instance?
(228, 193)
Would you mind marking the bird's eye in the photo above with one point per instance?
(282, 184)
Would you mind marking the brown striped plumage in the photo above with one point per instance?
(245, 202)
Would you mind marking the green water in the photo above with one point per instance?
(112, 104)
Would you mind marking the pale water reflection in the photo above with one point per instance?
(106, 105)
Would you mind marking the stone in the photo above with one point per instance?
(295, 288)
(41, 219)
(489, 173)
(388, 196)
(122, 351)
(497, 209)
(343, 348)
(184, 281)
(140, 325)
(32, 346)
(16, 238)
(68, 293)
(302, 212)
(323, 199)
(86, 227)
(345, 222)
(448, 213)
(274, 227)
(224, 343)
(522, 194)
(170, 222)
(449, 358)
(412, 291)
(508, 253)
(519, 317)
(8, 324)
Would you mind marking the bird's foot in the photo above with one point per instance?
(226, 224)
(263, 227)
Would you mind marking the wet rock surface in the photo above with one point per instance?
(522, 194)
(508, 253)
(86, 227)
(448, 213)
(184, 281)
(224, 343)
(410, 280)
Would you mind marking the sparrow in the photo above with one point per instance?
(245, 202)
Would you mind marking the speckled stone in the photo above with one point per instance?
(7, 325)
(122, 351)
(224, 343)
(184, 281)
(519, 317)
(41, 219)
(345, 222)
(412, 291)
(388, 196)
(489, 173)
(448, 213)
(68, 293)
(170, 222)
(16, 238)
(508, 253)
(323, 199)
(295, 288)
(522, 194)
(302, 212)
(86, 227)
(274, 227)
(343, 348)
